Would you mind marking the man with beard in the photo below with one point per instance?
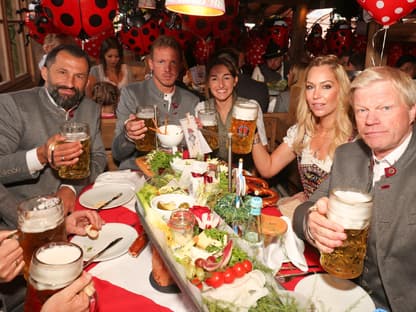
(29, 130)
(172, 102)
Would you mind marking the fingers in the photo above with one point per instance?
(78, 220)
(78, 285)
(61, 153)
(7, 234)
(135, 128)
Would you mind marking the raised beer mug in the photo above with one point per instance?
(53, 267)
(77, 131)
(352, 210)
(148, 143)
(208, 118)
(40, 220)
(243, 127)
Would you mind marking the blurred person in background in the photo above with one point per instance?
(107, 95)
(407, 64)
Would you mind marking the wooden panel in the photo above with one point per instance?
(276, 126)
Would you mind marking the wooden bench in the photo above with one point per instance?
(108, 126)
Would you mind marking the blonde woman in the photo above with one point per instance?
(323, 123)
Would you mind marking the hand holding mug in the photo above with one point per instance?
(11, 256)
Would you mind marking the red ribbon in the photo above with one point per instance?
(207, 178)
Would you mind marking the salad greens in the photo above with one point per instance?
(160, 160)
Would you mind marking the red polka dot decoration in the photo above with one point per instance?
(388, 12)
(93, 44)
(139, 39)
(203, 50)
(279, 33)
(200, 26)
(81, 18)
(171, 25)
(256, 47)
(38, 26)
(339, 39)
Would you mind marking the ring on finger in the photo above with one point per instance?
(63, 158)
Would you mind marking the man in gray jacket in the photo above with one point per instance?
(172, 102)
(382, 161)
(29, 130)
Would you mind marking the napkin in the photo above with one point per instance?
(121, 177)
(287, 249)
(113, 298)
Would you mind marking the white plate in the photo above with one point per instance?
(108, 233)
(100, 194)
(330, 293)
(167, 198)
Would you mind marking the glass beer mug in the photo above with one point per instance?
(147, 114)
(243, 127)
(40, 220)
(208, 118)
(352, 210)
(77, 131)
(53, 267)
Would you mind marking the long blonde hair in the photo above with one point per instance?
(307, 122)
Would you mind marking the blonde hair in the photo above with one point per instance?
(307, 122)
(400, 81)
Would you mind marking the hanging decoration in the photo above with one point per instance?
(200, 26)
(139, 39)
(93, 44)
(81, 18)
(38, 25)
(255, 49)
(170, 24)
(315, 44)
(339, 38)
(203, 50)
(387, 12)
(278, 32)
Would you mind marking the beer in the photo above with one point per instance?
(54, 266)
(81, 169)
(243, 127)
(209, 127)
(40, 221)
(352, 210)
(77, 131)
(147, 144)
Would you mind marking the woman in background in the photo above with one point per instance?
(323, 123)
(111, 68)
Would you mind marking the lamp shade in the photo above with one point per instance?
(196, 7)
(147, 4)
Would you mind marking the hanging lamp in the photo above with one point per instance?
(196, 7)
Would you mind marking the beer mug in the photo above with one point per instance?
(352, 210)
(77, 131)
(147, 114)
(53, 267)
(243, 127)
(40, 220)
(208, 118)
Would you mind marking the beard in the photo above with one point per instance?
(66, 102)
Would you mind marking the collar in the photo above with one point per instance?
(391, 158)
(68, 113)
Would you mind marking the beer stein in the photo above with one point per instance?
(243, 127)
(147, 114)
(352, 210)
(53, 267)
(77, 131)
(208, 118)
(40, 220)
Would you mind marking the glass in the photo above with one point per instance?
(243, 127)
(352, 210)
(53, 267)
(181, 223)
(40, 220)
(77, 131)
(208, 118)
(147, 114)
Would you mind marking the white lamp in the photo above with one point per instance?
(197, 7)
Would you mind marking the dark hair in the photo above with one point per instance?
(407, 58)
(230, 53)
(105, 93)
(72, 49)
(225, 60)
(108, 44)
(357, 60)
(166, 42)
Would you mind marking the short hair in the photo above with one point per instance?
(55, 39)
(407, 58)
(73, 50)
(105, 93)
(166, 42)
(357, 60)
(108, 44)
(399, 80)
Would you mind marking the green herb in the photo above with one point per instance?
(237, 255)
(216, 234)
(226, 209)
(159, 160)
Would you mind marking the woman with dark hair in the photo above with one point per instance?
(221, 79)
(111, 68)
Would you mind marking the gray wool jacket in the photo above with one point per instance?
(144, 93)
(28, 118)
(389, 270)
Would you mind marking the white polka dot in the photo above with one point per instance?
(385, 19)
(380, 4)
(398, 10)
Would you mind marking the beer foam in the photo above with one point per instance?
(245, 111)
(59, 266)
(73, 137)
(350, 209)
(208, 123)
(146, 115)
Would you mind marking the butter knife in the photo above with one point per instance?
(109, 201)
(114, 242)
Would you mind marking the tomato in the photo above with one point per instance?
(199, 263)
(215, 280)
(248, 266)
(229, 275)
(238, 269)
(197, 282)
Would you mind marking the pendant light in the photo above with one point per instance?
(197, 7)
